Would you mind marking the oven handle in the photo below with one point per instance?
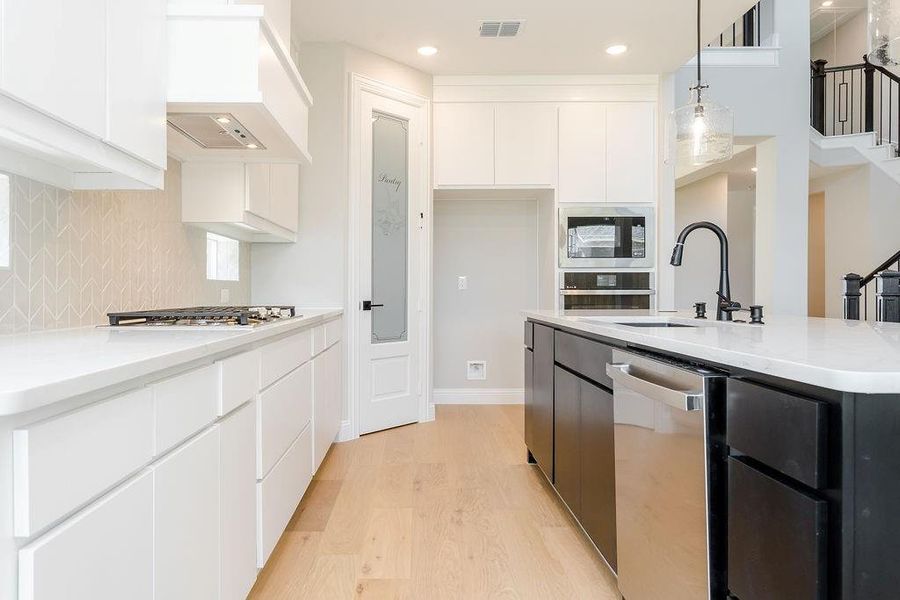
(607, 292)
(686, 401)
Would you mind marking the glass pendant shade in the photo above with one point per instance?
(702, 132)
(884, 32)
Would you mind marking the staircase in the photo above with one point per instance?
(855, 116)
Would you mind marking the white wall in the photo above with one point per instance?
(845, 48)
(741, 237)
(773, 102)
(862, 210)
(494, 243)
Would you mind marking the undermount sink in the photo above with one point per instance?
(653, 324)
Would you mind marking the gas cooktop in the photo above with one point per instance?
(203, 316)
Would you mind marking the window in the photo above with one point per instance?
(4, 222)
(223, 258)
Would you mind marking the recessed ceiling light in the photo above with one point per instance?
(827, 3)
(252, 146)
(617, 49)
(223, 120)
(427, 51)
(753, 169)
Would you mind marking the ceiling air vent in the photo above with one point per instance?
(500, 29)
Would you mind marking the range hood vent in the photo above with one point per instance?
(214, 131)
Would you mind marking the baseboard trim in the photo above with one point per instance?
(345, 433)
(479, 396)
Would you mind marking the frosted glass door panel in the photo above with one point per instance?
(390, 228)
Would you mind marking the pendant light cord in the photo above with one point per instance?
(699, 80)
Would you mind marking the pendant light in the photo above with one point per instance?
(884, 32)
(703, 130)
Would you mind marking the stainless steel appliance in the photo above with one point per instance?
(592, 290)
(606, 237)
(203, 316)
(663, 491)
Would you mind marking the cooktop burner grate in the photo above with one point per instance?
(202, 315)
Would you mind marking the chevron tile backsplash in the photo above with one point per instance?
(76, 256)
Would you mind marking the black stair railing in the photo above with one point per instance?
(858, 98)
(887, 292)
(743, 33)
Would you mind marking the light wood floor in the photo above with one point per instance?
(447, 509)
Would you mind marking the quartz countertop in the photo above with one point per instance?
(37, 369)
(847, 356)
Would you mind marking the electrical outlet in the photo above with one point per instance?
(462, 282)
(476, 370)
(224, 295)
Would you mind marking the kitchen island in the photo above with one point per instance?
(797, 455)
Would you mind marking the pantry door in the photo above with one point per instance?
(393, 180)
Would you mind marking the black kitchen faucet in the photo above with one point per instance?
(725, 306)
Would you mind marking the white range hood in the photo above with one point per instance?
(234, 93)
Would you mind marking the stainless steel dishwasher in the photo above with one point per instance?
(662, 443)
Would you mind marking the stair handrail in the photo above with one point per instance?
(890, 75)
(855, 287)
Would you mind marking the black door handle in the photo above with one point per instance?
(367, 305)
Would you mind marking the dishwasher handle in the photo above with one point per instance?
(686, 401)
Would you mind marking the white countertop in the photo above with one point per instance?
(37, 369)
(848, 356)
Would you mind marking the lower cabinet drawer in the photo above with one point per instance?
(776, 538)
(781, 430)
(64, 462)
(184, 405)
(283, 356)
(586, 357)
(283, 411)
(102, 553)
(280, 492)
(239, 380)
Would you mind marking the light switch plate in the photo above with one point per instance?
(224, 295)
(462, 282)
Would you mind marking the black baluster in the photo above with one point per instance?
(818, 96)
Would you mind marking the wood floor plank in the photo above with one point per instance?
(387, 550)
(433, 511)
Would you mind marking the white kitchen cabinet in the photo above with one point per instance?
(630, 152)
(328, 400)
(136, 79)
(238, 380)
(53, 55)
(525, 144)
(83, 98)
(237, 446)
(186, 520)
(184, 405)
(87, 451)
(280, 492)
(284, 410)
(254, 202)
(464, 144)
(582, 152)
(104, 552)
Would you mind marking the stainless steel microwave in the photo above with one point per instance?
(607, 237)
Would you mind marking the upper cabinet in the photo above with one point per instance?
(464, 144)
(480, 144)
(83, 92)
(254, 202)
(525, 144)
(607, 152)
(593, 139)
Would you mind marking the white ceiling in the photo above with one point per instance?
(559, 37)
(823, 20)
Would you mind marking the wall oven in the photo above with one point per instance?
(592, 290)
(606, 237)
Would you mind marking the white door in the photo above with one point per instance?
(393, 176)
